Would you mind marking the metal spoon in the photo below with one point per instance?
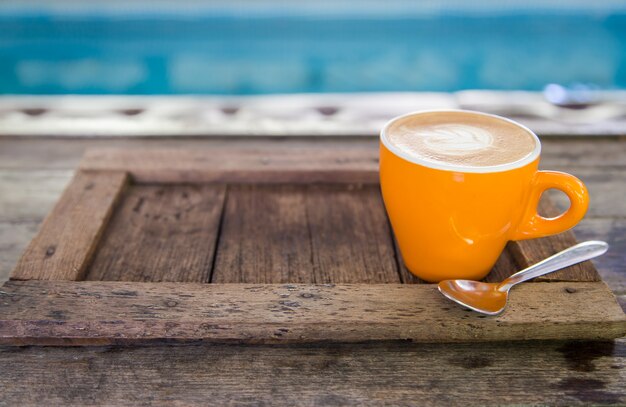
(490, 298)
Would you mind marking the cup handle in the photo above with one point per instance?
(534, 225)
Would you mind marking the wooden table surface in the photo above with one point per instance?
(33, 173)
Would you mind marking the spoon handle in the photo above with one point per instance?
(575, 254)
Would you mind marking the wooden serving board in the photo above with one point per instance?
(252, 246)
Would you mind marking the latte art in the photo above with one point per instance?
(460, 138)
(455, 139)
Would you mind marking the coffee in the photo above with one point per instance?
(463, 139)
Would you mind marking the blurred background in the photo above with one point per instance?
(350, 56)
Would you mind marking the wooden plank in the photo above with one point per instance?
(247, 166)
(529, 252)
(612, 265)
(161, 233)
(30, 195)
(14, 237)
(44, 153)
(350, 235)
(606, 191)
(62, 153)
(314, 234)
(97, 313)
(68, 236)
(524, 373)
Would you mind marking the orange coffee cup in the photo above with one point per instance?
(453, 221)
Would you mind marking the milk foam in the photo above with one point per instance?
(461, 138)
(455, 139)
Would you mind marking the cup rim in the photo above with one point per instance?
(461, 168)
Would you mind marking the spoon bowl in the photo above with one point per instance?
(477, 296)
(491, 298)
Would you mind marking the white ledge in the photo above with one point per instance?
(355, 114)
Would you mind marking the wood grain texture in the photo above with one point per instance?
(161, 233)
(396, 373)
(305, 234)
(606, 191)
(612, 265)
(264, 236)
(64, 245)
(30, 195)
(97, 313)
(44, 153)
(529, 252)
(350, 236)
(14, 237)
(247, 166)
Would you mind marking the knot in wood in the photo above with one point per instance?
(292, 304)
(50, 250)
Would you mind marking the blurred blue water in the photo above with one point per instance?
(234, 54)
